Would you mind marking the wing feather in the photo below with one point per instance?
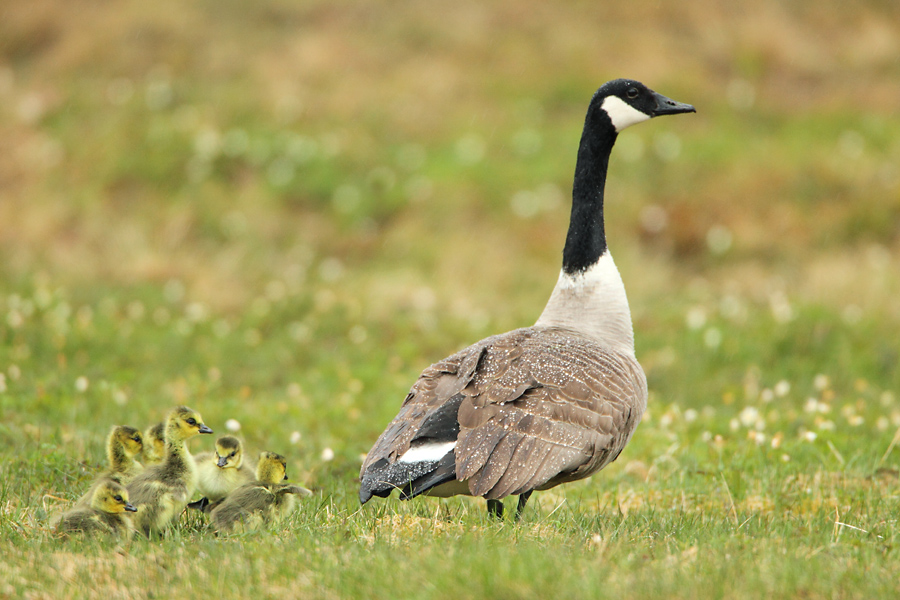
(536, 407)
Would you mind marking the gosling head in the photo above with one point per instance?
(183, 423)
(229, 452)
(111, 497)
(272, 468)
(129, 439)
(155, 443)
(625, 102)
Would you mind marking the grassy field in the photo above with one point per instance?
(281, 213)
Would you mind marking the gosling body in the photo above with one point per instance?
(265, 500)
(162, 491)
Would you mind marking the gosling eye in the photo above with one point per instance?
(136, 439)
(632, 93)
(191, 421)
(118, 498)
(232, 454)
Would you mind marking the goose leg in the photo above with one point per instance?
(495, 508)
(523, 500)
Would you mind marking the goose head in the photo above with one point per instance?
(155, 443)
(272, 468)
(129, 439)
(229, 453)
(111, 497)
(625, 102)
(184, 423)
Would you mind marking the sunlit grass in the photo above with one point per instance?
(280, 214)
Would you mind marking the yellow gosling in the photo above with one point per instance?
(162, 491)
(221, 472)
(154, 444)
(122, 446)
(107, 513)
(263, 501)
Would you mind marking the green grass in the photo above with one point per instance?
(282, 214)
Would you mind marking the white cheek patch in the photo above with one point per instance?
(621, 113)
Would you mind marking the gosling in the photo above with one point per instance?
(263, 501)
(122, 445)
(221, 472)
(107, 513)
(154, 444)
(162, 491)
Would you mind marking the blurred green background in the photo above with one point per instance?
(280, 212)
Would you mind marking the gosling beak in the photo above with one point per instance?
(223, 460)
(667, 106)
(205, 429)
(130, 507)
(285, 477)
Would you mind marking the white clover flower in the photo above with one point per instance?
(821, 382)
(782, 388)
(81, 384)
(749, 416)
(327, 454)
(233, 425)
(696, 317)
(712, 338)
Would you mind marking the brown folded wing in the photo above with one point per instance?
(539, 407)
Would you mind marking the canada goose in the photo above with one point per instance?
(220, 472)
(162, 491)
(106, 513)
(261, 501)
(122, 445)
(154, 444)
(543, 405)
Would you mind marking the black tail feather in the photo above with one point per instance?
(411, 479)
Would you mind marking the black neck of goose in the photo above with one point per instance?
(586, 240)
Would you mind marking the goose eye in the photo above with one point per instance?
(118, 498)
(632, 93)
(192, 421)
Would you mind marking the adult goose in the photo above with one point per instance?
(543, 405)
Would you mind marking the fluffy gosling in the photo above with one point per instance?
(122, 445)
(263, 501)
(154, 444)
(221, 472)
(162, 491)
(107, 513)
